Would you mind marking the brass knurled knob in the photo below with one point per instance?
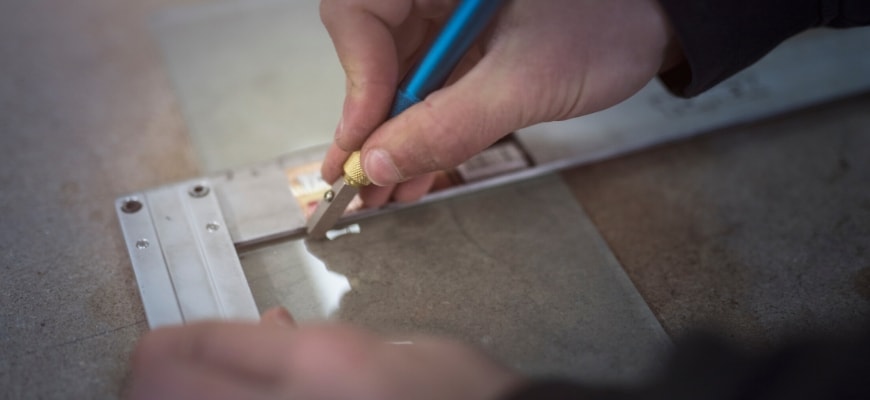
(353, 172)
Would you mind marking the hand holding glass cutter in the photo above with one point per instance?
(464, 26)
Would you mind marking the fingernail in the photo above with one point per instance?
(284, 318)
(380, 168)
(279, 316)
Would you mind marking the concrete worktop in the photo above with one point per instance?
(759, 232)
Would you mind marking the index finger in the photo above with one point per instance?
(362, 34)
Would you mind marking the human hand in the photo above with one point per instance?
(539, 61)
(277, 360)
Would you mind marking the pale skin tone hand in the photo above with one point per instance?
(277, 359)
(539, 61)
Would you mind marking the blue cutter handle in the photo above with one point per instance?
(464, 26)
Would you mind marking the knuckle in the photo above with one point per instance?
(327, 11)
(335, 12)
(342, 348)
(434, 155)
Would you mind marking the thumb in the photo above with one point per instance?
(445, 129)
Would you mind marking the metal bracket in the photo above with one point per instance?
(185, 262)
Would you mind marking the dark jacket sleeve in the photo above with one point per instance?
(706, 367)
(721, 37)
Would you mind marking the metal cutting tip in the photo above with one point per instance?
(331, 208)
